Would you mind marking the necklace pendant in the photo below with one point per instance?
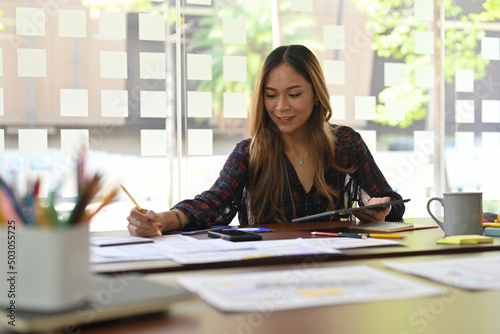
(301, 161)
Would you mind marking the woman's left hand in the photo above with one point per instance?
(371, 215)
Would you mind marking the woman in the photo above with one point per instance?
(295, 164)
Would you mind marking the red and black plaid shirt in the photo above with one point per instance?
(229, 194)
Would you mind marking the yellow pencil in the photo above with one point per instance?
(387, 236)
(153, 225)
(491, 224)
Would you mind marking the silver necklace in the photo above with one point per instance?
(301, 158)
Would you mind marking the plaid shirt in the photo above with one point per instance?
(229, 194)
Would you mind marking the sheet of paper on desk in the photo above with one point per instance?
(253, 292)
(188, 250)
(476, 273)
(269, 248)
(136, 252)
(252, 250)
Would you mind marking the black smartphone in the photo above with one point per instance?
(235, 235)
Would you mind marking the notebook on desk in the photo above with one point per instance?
(387, 226)
(113, 297)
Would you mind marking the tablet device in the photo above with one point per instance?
(348, 210)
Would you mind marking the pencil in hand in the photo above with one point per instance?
(153, 225)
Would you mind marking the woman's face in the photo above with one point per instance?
(288, 98)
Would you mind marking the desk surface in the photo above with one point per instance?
(418, 242)
(459, 311)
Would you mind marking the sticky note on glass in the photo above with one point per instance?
(338, 106)
(72, 23)
(490, 48)
(234, 31)
(74, 102)
(112, 25)
(334, 37)
(114, 64)
(464, 111)
(31, 63)
(151, 27)
(424, 10)
(1, 62)
(334, 72)
(153, 143)
(2, 108)
(234, 68)
(152, 65)
(153, 104)
(2, 142)
(200, 141)
(424, 76)
(114, 103)
(364, 107)
(394, 74)
(302, 6)
(30, 21)
(33, 142)
(199, 104)
(490, 111)
(73, 140)
(235, 105)
(199, 67)
(395, 109)
(464, 81)
(424, 42)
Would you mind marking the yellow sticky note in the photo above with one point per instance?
(469, 239)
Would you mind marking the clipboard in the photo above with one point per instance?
(348, 210)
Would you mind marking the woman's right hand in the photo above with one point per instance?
(139, 222)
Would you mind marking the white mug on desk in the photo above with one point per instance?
(463, 213)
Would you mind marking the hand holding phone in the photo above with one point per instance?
(234, 235)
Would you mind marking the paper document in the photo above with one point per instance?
(188, 250)
(476, 273)
(252, 292)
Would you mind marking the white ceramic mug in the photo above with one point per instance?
(463, 213)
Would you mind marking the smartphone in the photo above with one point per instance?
(379, 206)
(235, 235)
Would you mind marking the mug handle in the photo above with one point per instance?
(440, 223)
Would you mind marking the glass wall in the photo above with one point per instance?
(158, 91)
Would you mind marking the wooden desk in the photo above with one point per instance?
(418, 242)
(459, 311)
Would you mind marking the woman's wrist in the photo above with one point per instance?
(181, 218)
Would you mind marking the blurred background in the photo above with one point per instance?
(158, 91)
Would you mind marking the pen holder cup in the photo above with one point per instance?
(44, 269)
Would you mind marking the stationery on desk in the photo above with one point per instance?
(469, 239)
(359, 235)
(388, 226)
(118, 241)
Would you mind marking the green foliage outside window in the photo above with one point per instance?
(393, 26)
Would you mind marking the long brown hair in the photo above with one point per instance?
(269, 183)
